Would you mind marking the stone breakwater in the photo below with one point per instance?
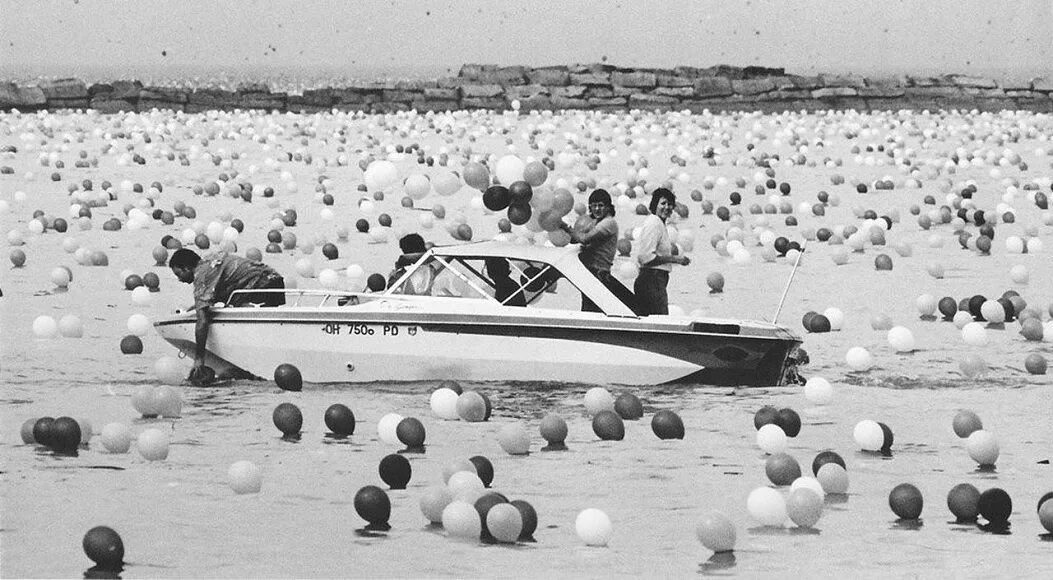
(590, 87)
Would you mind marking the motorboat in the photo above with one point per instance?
(442, 319)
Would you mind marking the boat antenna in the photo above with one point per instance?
(788, 282)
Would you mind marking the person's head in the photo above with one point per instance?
(412, 244)
(663, 202)
(600, 204)
(497, 268)
(182, 263)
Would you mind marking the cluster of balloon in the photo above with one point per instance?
(410, 431)
(288, 377)
(667, 425)
(374, 506)
(788, 421)
(288, 419)
(906, 501)
(340, 420)
(804, 505)
(104, 547)
(467, 512)
(244, 477)
(553, 430)
(830, 470)
(815, 322)
(473, 407)
(395, 470)
(444, 400)
(160, 401)
(873, 436)
(62, 435)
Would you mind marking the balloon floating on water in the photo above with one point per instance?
(410, 432)
(964, 502)
(667, 425)
(395, 470)
(105, 547)
(995, 506)
(153, 445)
(782, 469)
(804, 506)
(387, 428)
(965, 423)
(598, 399)
(374, 506)
(514, 439)
(340, 420)
(716, 532)
(483, 468)
(554, 430)
(471, 407)
(593, 527)
(982, 447)
(767, 507)
(244, 477)
(608, 426)
(628, 406)
(906, 501)
(288, 377)
(288, 419)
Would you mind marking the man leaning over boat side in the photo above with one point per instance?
(215, 277)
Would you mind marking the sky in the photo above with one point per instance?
(1001, 39)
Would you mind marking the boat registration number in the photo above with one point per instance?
(354, 329)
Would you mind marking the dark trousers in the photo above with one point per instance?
(650, 288)
(267, 299)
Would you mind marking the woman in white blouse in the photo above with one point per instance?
(655, 256)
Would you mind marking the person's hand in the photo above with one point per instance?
(682, 260)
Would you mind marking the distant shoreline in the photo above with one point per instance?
(178, 75)
(597, 86)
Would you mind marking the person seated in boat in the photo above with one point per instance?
(413, 248)
(597, 232)
(215, 278)
(506, 290)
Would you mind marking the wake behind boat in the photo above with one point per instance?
(441, 320)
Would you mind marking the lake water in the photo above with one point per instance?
(179, 518)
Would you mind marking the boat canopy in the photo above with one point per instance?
(549, 260)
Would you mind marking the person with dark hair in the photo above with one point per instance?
(413, 248)
(215, 278)
(597, 232)
(506, 291)
(655, 256)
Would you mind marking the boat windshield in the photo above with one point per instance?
(509, 282)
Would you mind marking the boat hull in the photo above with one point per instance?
(345, 346)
